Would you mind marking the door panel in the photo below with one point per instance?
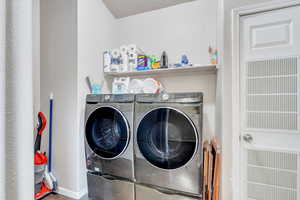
(270, 34)
(262, 35)
(271, 175)
(271, 100)
(270, 66)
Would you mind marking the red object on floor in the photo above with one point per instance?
(40, 158)
(43, 191)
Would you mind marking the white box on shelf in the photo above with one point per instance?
(120, 85)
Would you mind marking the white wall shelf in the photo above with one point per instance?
(203, 69)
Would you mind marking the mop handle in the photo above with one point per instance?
(50, 134)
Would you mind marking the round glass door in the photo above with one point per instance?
(167, 138)
(107, 132)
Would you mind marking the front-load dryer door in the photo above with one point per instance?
(107, 133)
(167, 138)
(167, 149)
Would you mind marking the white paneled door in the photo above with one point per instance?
(270, 96)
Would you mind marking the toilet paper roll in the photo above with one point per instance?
(132, 61)
(115, 60)
(132, 55)
(135, 49)
(115, 53)
(124, 49)
(123, 63)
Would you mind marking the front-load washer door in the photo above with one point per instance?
(107, 132)
(167, 138)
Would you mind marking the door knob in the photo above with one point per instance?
(248, 138)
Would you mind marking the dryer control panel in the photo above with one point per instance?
(109, 98)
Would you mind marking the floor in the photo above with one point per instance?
(57, 197)
(60, 197)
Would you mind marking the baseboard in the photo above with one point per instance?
(70, 193)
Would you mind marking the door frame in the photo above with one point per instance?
(236, 15)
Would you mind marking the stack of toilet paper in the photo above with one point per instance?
(123, 59)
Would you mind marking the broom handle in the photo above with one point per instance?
(50, 134)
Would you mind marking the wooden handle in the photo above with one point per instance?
(205, 169)
(217, 168)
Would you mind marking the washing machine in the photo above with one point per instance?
(109, 146)
(168, 146)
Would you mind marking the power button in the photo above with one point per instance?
(165, 97)
(107, 97)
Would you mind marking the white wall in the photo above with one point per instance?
(2, 99)
(182, 29)
(73, 36)
(59, 75)
(36, 58)
(96, 33)
(18, 115)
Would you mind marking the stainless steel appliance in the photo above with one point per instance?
(109, 146)
(168, 146)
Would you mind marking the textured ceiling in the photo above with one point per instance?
(125, 8)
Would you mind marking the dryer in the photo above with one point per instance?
(109, 146)
(168, 146)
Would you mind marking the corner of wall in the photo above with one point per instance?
(72, 194)
(96, 28)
